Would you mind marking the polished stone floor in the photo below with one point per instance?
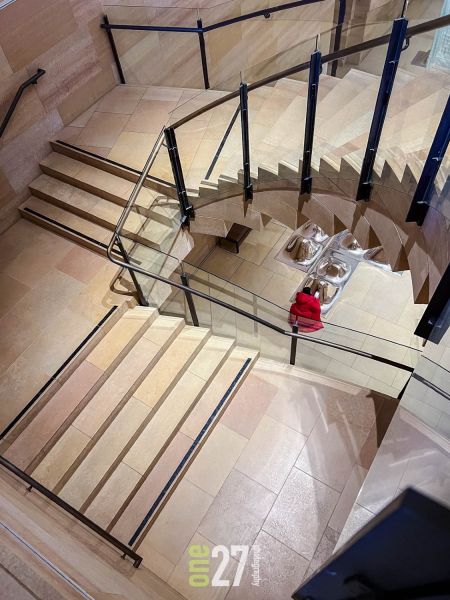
(279, 473)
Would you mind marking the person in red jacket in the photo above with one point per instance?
(305, 312)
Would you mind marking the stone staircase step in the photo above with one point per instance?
(98, 418)
(100, 211)
(34, 442)
(152, 485)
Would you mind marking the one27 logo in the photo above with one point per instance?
(199, 565)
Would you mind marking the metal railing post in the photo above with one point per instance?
(248, 186)
(313, 89)
(293, 345)
(395, 48)
(189, 299)
(112, 43)
(420, 202)
(338, 34)
(201, 41)
(187, 210)
(432, 318)
(141, 298)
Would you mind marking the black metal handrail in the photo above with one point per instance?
(265, 12)
(412, 31)
(31, 81)
(105, 535)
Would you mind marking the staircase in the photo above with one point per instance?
(344, 113)
(110, 439)
(81, 196)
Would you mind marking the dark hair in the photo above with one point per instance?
(306, 290)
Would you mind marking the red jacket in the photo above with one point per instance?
(306, 313)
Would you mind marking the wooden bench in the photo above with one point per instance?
(236, 236)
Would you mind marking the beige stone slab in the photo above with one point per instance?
(301, 512)
(238, 511)
(214, 351)
(251, 277)
(12, 292)
(116, 340)
(270, 463)
(103, 129)
(177, 522)
(331, 452)
(61, 457)
(222, 263)
(216, 459)
(112, 495)
(101, 457)
(122, 99)
(171, 365)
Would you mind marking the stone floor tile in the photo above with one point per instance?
(281, 571)
(178, 521)
(248, 406)
(358, 517)
(103, 129)
(271, 453)
(222, 263)
(331, 452)
(216, 459)
(12, 292)
(81, 264)
(238, 511)
(324, 550)
(301, 513)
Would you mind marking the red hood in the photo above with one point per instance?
(303, 298)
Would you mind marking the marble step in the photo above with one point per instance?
(101, 211)
(69, 225)
(94, 180)
(120, 432)
(77, 470)
(36, 440)
(150, 487)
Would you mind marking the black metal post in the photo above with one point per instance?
(141, 298)
(248, 186)
(187, 210)
(436, 309)
(293, 345)
(338, 34)
(313, 89)
(395, 47)
(112, 43)
(420, 202)
(201, 41)
(190, 300)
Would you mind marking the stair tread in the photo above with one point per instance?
(53, 415)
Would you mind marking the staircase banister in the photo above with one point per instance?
(431, 25)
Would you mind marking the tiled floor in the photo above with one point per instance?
(280, 472)
(53, 293)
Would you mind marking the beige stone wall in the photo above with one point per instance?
(257, 47)
(63, 37)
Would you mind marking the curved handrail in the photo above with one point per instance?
(31, 81)
(244, 313)
(431, 25)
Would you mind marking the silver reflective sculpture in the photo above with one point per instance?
(333, 270)
(303, 251)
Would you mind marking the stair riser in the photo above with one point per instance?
(87, 398)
